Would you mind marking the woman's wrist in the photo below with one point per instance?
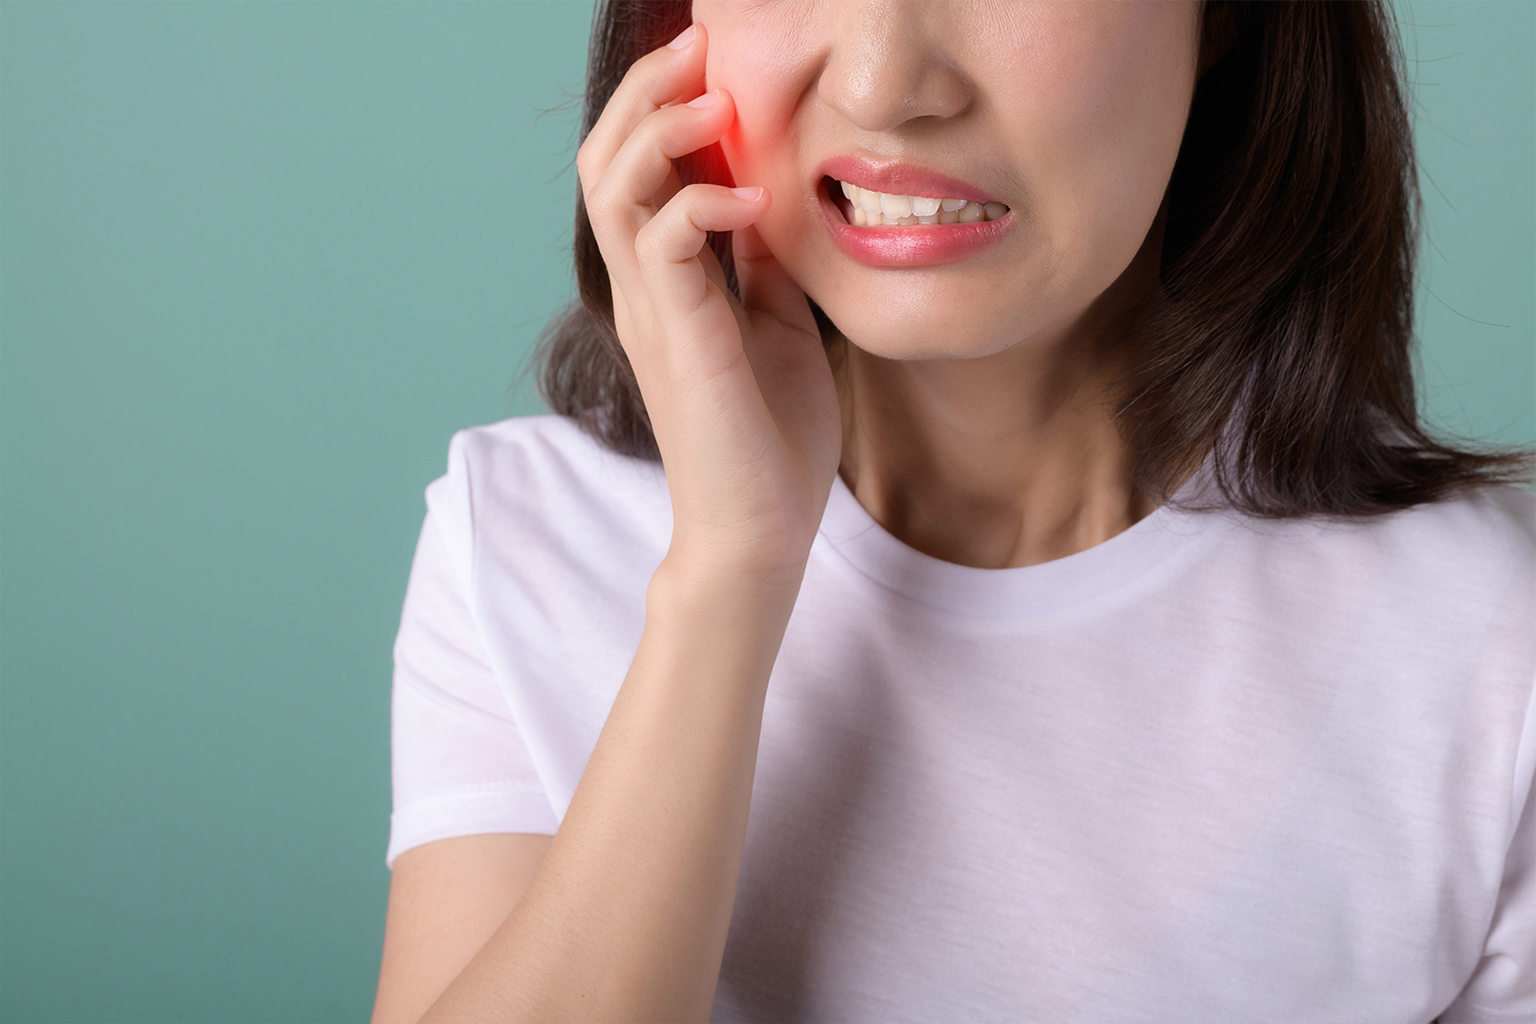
(728, 572)
(695, 592)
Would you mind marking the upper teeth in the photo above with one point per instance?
(881, 208)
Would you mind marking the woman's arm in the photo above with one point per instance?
(626, 916)
(446, 899)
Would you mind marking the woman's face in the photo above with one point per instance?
(1069, 114)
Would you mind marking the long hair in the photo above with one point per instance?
(1285, 349)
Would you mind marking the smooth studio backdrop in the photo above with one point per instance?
(257, 262)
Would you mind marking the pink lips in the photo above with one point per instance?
(925, 245)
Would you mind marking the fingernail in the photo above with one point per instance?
(709, 99)
(751, 195)
(683, 38)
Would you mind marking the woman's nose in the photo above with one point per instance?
(888, 64)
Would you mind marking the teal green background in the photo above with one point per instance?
(257, 262)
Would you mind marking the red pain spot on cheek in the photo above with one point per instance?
(710, 165)
(735, 152)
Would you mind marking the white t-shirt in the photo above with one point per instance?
(1213, 769)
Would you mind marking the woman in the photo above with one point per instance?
(1029, 520)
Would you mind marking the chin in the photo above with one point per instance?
(898, 335)
(891, 328)
(934, 313)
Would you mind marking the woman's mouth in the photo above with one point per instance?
(894, 231)
(864, 207)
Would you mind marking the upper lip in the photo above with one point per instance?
(896, 177)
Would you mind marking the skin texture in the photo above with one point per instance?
(974, 396)
(967, 409)
(445, 900)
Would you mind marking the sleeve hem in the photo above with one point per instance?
(470, 810)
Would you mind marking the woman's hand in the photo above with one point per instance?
(740, 394)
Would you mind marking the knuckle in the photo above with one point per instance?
(662, 128)
(650, 241)
(593, 198)
(599, 199)
(647, 66)
(644, 134)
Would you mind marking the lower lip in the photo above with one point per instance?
(924, 245)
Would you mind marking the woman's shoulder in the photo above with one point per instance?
(545, 454)
(1491, 528)
(1482, 541)
(544, 480)
(1441, 563)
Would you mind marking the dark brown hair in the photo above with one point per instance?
(1286, 347)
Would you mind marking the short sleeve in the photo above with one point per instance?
(459, 763)
(1503, 988)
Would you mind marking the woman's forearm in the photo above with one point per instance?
(627, 917)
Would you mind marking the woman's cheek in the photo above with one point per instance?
(741, 143)
(1097, 114)
(761, 127)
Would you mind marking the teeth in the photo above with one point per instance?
(895, 206)
(876, 209)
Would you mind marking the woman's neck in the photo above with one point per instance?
(1004, 460)
(990, 462)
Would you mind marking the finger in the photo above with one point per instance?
(624, 198)
(665, 75)
(764, 283)
(668, 247)
(623, 316)
(669, 188)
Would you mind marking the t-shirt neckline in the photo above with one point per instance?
(1029, 591)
